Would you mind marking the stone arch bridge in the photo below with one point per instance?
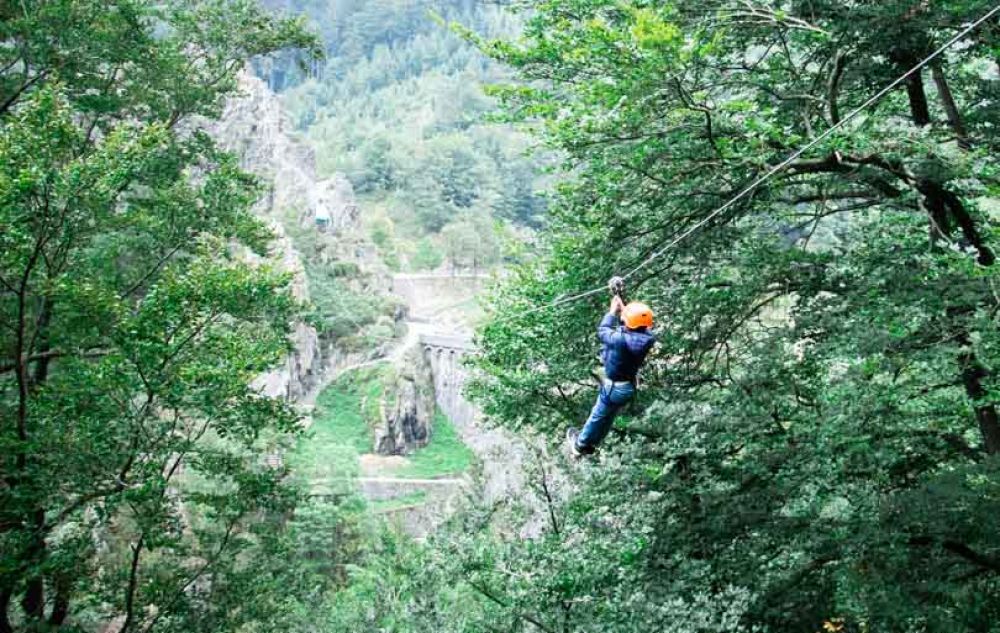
(502, 455)
(444, 353)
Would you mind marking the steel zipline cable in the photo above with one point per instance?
(773, 171)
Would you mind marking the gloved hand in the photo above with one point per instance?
(617, 305)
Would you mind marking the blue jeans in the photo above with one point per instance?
(610, 401)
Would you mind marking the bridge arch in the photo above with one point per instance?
(445, 354)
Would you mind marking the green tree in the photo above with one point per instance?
(427, 256)
(399, 109)
(471, 243)
(819, 431)
(130, 463)
(455, 169)
(377, 164)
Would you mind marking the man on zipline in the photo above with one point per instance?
(623, 350)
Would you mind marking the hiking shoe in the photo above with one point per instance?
(572, 437)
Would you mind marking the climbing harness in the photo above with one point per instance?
(767, 176)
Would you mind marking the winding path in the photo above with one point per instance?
(414, 330)
(442, 481)
(435, 322)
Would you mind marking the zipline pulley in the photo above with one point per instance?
(617, 287)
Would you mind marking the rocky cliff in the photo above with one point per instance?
(301, 369)
(254, 127)
(405, 409)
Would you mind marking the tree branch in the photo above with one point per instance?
(9, 103)
(51, 354)
(961, 550)
(192, 579)
(517, 614)
(133, 580)
(833, 87)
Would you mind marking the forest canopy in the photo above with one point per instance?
(817, 439)
(399, 107)
(130, 435)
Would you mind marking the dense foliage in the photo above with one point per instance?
(815, 444)
(133, 490)
(817, 439)
(399, 108)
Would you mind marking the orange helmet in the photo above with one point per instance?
(637, 315)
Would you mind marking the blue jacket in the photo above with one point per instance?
(622, 350)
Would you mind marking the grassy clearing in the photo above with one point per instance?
(446, 454)
(327, 457)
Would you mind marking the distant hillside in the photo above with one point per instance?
(399, 106)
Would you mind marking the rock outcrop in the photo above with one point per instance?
(301, 369)
(254, 127)
(406, 406)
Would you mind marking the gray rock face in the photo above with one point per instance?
(406, 408)
(253, 126)
(334, 205)
(301, 368)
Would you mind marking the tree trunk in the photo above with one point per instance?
(833, 87)
(33, 602)
(933, 204)
(973, 373)
(60, 604)
(947, 210)
(5, 595)
(950, 107)
(919, 110)
(133, 582)
(939, 200)
(41, 373)
(918, 100)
